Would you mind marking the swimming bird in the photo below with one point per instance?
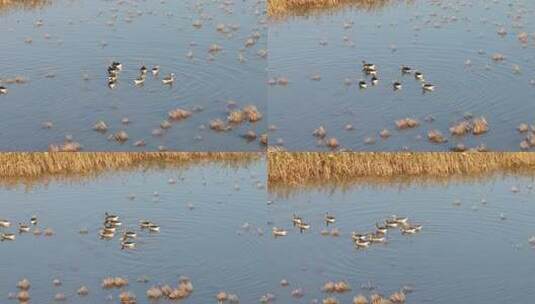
(5, 223)
(296, 220)
(169, 79)
(154, 228)
(117, 65)
(139, 81)
(396, 85)
(329, 219)
(360, 243)
(375, 80)
(391, 223)
(382, 229)
(143, 70)
(377, 238)
(408, 230)
(406, 70)
(33, 220)
(111, 217)
(128, 244)
(419, 75)
(279, 231)
(109, 229)
(358, 236)
(362, 84)
(105, 234)
(368, 66)
(112, 84)
(303, 226)
(428, 87)
(129, 235)
(7, 237)
(144, 224)
(3, 90)
(402, 220)
(155, 70)
(23, 228)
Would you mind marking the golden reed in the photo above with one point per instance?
(298, 168)
(37, 164)
(22, 4)
(278, 8)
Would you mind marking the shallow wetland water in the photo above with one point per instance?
(478, 54)
(474, 246)
(54, 61)
(209, 216)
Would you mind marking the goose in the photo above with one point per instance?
(329, 219)
(406, 70)
(418, 75)
(3, 90)
(375, 80)
(106, 235)
(143, 70)
(408, 230)
(155, 70)
(113, 223)
(144, 224)
(402, 220)
(33, 220)
(428, 87)
(357, 236)
(303, 226)
(129, 235)
(112, 78)
(362, 84)
(169, 79)
(279, 231)
(415, 227)
(112, 84)
(154, 228)
(382, 229)
(391, 223)
(7, 237)
(360, 243)
(396, 85)
(111, 217)
(109, 229)
(377, 238)
(23, 228)
(117, 65)
(368, 66)
(113, 70)
(5, 223)
(128, 244)
(139, 81)
(296, 220)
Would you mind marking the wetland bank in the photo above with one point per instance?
(59, 93)
(478, 55)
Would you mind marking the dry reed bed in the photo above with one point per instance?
(39, 164)
(22, 4)
(279, 8)
(299, 168)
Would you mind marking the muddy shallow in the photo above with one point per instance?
(201, 218)
(62, 52)
(474, 246)
(451, 42)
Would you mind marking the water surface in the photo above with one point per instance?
(63, 49)
(475, 252)
(201, 218)
(451, 42)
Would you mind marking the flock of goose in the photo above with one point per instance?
(361, 240)
(22, 228)
(370, 69)
(112, 223)
(116, 67)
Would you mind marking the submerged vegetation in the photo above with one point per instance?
(289, 168)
